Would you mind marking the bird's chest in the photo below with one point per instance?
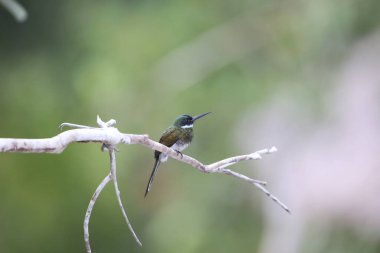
(179, 146)
(184, 140)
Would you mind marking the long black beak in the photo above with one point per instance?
(200, 116)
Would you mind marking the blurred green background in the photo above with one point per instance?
(143, 63)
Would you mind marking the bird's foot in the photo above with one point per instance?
(179, 153)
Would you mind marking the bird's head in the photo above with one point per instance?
(187, 121)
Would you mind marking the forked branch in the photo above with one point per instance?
(110, 136)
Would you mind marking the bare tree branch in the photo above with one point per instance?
(117, 191)
(89, 210)
(110, 136)
(16, 9)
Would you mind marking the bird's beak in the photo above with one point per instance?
(200, 116)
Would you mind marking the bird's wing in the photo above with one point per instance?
(168, 138)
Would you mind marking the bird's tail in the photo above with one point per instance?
(154, 171)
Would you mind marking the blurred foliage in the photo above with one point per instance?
(72, 60)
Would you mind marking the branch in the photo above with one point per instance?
(109, 177)
(117, 191)
(16, 9)
(89, 210)
(110, 136)
(217, 167)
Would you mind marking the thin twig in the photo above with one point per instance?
(73, 126)
(258, 184)
(117, 191)
(89, 210)
(272, 197)
(241, 176)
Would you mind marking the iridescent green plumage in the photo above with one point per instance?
(173, 135)
(178, 137)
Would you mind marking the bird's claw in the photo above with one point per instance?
(179, 153)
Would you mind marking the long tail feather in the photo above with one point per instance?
(154, 171)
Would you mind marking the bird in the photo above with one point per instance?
(178, 137)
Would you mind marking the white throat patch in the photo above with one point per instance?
(187, 126)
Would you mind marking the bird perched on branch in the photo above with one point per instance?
(178, 137)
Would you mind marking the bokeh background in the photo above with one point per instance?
(301, 75)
